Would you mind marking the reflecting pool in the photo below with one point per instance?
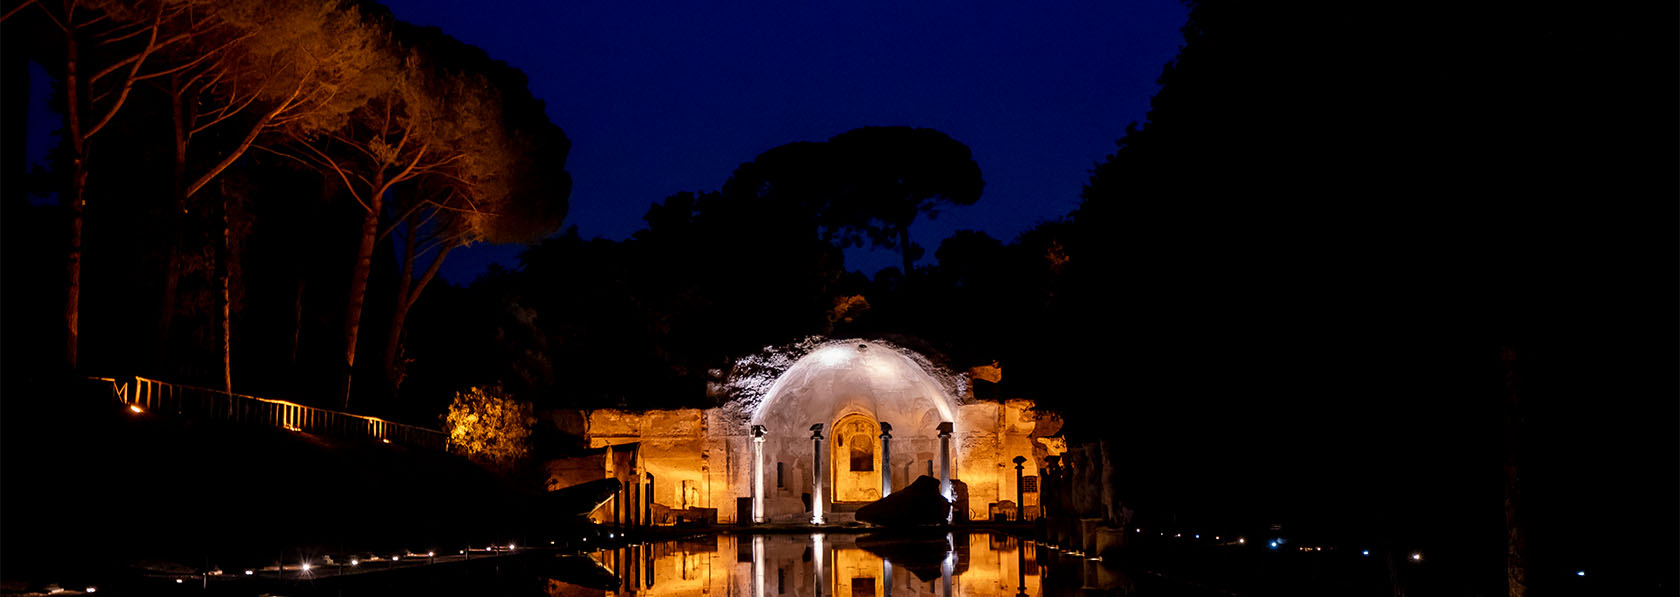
(978, 564)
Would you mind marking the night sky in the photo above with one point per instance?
(674, 98)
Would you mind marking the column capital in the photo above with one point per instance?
(945, 429)
(816, 431)
(886, 430)
(758, 432)
(1019, 462)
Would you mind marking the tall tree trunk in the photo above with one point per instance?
(408, 291)
(76, 200)
(358, 291)
(399, 310)
(1516, 548)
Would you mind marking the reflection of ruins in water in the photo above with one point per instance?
(819, 565)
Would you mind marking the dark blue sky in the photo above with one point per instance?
(672, 96)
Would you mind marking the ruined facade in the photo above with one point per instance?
(841, 426)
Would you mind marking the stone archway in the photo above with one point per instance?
(855, 459)
(836, 396)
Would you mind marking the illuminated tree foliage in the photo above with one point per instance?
(490, 427)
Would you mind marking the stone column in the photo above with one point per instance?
(886, 459)
(1020, 492)
(816, 475)
(758, 432)
(945, 460)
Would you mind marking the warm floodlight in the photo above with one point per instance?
(136, 408)
(304, 567)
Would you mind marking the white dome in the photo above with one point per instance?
(855, 376)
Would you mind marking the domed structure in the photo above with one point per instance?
(840, 427)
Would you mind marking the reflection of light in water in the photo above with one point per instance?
(832, 565)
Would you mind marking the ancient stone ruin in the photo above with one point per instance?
(814, 436)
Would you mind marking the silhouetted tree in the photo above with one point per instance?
(868, 183)
(106, 48)
(894, 174)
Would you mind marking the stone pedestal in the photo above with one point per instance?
(1088, 528)
(1109, 541)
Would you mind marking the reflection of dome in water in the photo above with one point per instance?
(855, 376)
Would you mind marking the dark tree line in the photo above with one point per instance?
(716, 275)
(1315, 255)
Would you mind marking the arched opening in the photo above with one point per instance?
(855, 457)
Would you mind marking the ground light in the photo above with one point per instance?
(136, 408)
(1417, 556)
(1577, 573)
(1364, 552)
